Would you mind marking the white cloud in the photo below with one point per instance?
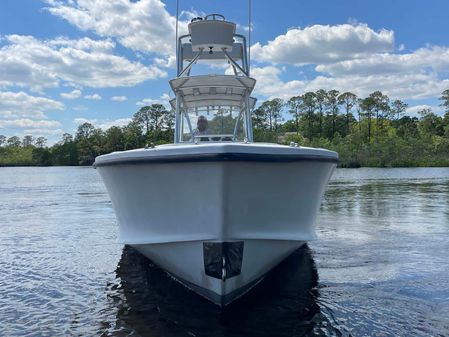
(79, 108)
(103, 123)
(119, 98)
(71, 95)
(29, 124)
(43, 132)
(26, 126)
(143, 25)
(95, 97)
(422, 61)
(269, 83)
(323, 44)
(15, 105)
(82, 120)
(397, 86)
(28, 62)
(164, 100)
(413, 110)
(84, 44)
(118, 122)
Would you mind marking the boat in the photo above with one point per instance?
(216, 210)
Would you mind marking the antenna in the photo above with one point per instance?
(177, 16)
(249, 37)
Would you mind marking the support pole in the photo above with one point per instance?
(177, 118)
(249, 36)
(249, 123)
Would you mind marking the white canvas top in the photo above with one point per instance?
(213, 100)
(222, 90)
(187, 84)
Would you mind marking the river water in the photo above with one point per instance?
(380, 266)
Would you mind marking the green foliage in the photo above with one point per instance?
(444, 98)
(368, 131)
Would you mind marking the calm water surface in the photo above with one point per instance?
(379, 268)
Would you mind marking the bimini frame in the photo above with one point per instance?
(212, 90)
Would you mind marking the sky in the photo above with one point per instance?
(65, 62)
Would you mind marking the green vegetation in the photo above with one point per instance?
(370, 131)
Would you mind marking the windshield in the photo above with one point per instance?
(213, 123)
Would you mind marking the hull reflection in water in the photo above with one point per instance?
(150, 302)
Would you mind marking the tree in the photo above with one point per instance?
(115, 140)
(27, 141)
(381, 107)
(359, 113)
(294, 104)
(143, 119)
(133, 137)
(168, 120)
(308, 108)
(86, 148)
(2, 140)
(407, 127)
(168, 125)
(259, 119)
(320, 97)
(84, 131)
(150, 118)
(348, 100)
(158, 111)
(41, 142)
(41, 156)
(332, 104)
(444, 98)
(272, 110)
(430, 123)
(66, 138)
(397, 108)
(367, 105)
(65, 152)
(14, 141)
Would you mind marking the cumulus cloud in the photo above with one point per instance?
(413, 110)
(43, 132)
(71, 95)
(106, 124)
(164, 100)
(29, 124)
(28, 62)
(397, 86)
(324, 44)
(119, 98)
(143, 25)
(103, 123)
(95, 97)
(14, 105)
(79, 108)
(422, 60)
(82, 120)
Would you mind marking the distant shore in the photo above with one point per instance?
(365, 132)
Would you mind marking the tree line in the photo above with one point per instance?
(365, 131)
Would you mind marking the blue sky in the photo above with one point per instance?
(66, 62)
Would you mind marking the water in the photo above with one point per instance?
(379, 267)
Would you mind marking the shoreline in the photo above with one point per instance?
(340, 167)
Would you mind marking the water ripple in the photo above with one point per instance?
(379, 267)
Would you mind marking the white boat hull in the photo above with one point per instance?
(185, 261)
(179, 213)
